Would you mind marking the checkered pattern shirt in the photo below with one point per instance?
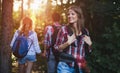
(77, 48)
(49, 30)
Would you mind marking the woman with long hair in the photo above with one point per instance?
(25, 29)
(72, 40)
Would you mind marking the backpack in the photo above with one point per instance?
(54, 36)
(20, 47)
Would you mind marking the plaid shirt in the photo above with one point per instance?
(49, 30)
(77, 48)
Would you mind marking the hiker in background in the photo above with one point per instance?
(25, 29)
(49, 40)
(72, 40)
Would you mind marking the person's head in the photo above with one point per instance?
(75, 15)
(26, 25)
(55, 17)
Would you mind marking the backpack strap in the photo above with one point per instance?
(85, 31)
(69, 30)
(30, 45)
(30, 33)
(54, 36)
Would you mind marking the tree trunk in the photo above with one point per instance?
(6, 31)
(0, 30)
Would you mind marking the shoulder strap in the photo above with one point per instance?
(30, 33)
(85, 31)
(69, 30)
(30, 46)
(54, 35)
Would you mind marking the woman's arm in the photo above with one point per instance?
(47, 39)
(88, 43)
(36, 43)
(63, 39)
(70, 40)
(87, 40)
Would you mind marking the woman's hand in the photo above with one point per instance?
(71, 39)
(43, 54)
(87, 40)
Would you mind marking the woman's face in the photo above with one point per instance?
(72, 16)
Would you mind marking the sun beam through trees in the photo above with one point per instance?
(40, 11)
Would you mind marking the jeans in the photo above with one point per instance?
(51, 64)
(65, 68)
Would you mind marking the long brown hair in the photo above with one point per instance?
(80, 22)
(25, 26)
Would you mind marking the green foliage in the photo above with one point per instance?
(105, 34)
(112, 47)
(106, 57)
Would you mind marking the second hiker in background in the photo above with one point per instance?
(49, 41)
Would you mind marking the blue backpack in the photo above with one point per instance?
(20, 47)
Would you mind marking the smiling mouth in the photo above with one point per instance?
(69, 19)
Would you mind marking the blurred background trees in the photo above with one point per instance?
(102, 18)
